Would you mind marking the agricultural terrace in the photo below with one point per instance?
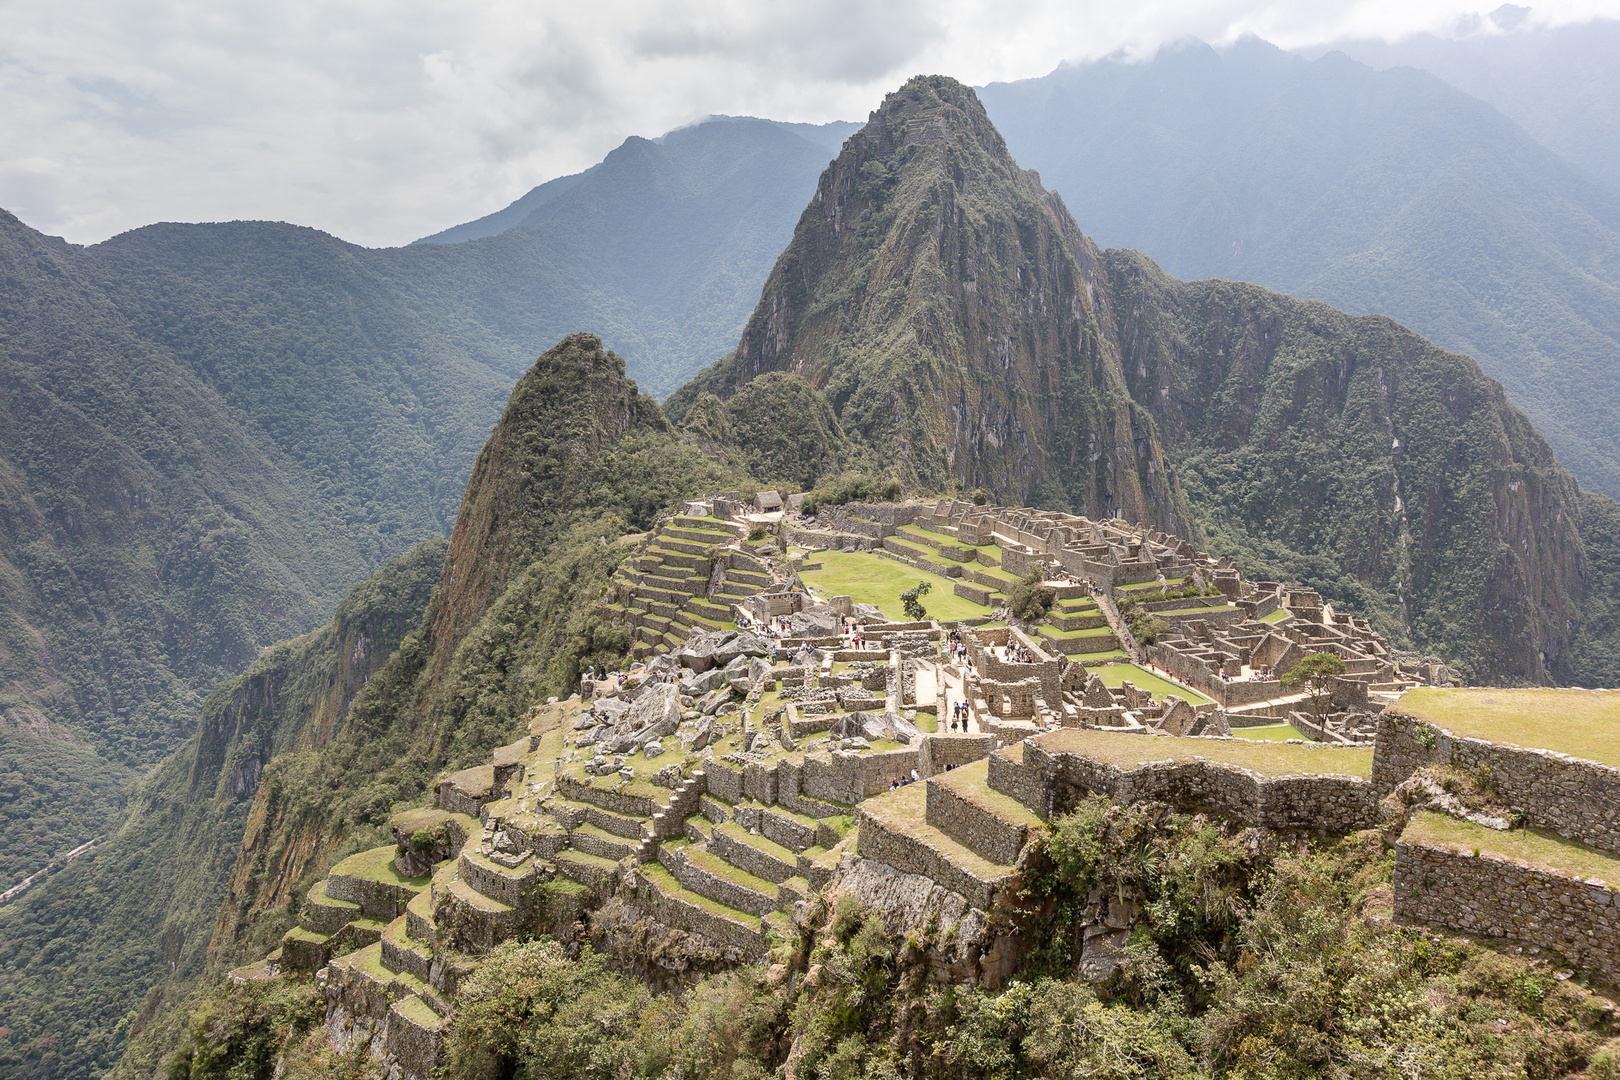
(1266, 758)
(1535, 847)
(1582, 723)
(872, 579)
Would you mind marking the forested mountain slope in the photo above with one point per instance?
(964, 331)
(1377, 191)
(209, 432)
(79, 952)
(661, 248)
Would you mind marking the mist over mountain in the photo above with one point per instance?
(1377, 191)
(1561, 84)
(661, 248)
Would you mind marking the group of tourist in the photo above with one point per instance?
(1017, 654)
(959, 716)
(901, 781)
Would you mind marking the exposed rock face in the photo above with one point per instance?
(948, 308)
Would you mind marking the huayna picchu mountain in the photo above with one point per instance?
(966, 333)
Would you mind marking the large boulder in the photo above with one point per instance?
(699, 685)
(758, 669)
(661, 706)
(814, 622)
(697, 654)
(740, 644)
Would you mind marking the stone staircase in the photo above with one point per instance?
(671, 585)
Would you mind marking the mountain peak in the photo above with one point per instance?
(944, 304)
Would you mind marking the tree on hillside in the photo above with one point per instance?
(1315, 675)
(914, 608)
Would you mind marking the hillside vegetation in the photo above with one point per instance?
(1376, 191)
(80, 951)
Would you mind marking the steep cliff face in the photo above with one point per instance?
(1354, 453)
(949, 309)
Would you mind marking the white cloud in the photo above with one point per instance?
(382, 121)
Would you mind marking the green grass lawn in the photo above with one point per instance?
(1276, 616)
(1269, 732)
(1266, 758)
(1090, 631)
(1143, 679)
(943, 538)
(869, 579)
(1196, 610)
(1584, 723)
(1530, 845)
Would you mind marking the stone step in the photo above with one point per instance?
(323, 915)
(963, 806)
(759, 581)
(894, 830)
(757, 855)
(589, 870)
(675, 905)
(594, 841)
(709, 875)
(402, 952)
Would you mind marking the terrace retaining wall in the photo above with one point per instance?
(1334, 804)
(1493, 897)
(1575, 798)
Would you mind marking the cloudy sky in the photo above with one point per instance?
(383, 120)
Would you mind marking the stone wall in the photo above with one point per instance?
(1013, 778)
(1195, 674)
(718, 888)
(944, 752)
(1493, 897)
(674, 911)
(1333, 804)
(1572, 797)
(974, 827)
(911, 856)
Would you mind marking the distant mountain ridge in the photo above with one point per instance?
(1377, 191)
(524, 212)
